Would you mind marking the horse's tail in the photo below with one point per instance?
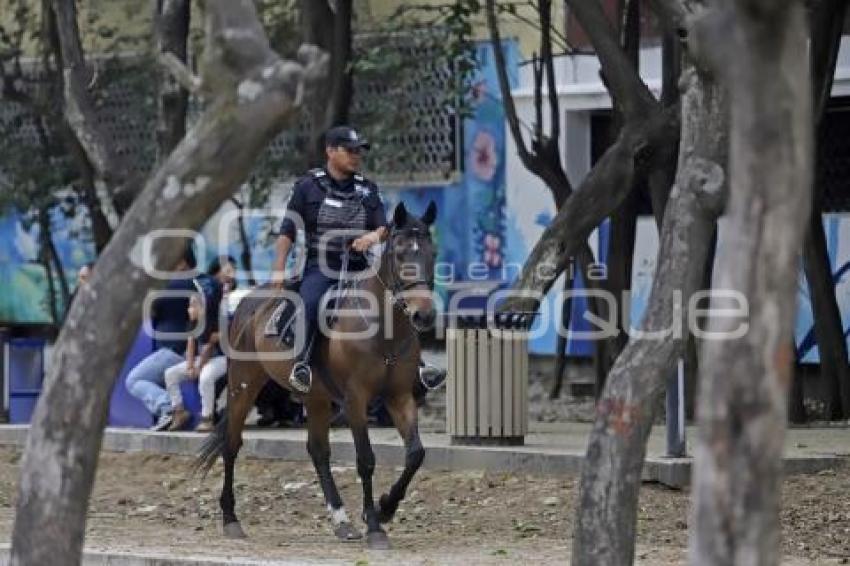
(212, 447)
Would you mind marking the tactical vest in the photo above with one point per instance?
(340, 210)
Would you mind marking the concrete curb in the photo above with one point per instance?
(532, 459)
(103, 558)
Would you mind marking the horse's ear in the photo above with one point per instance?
(399, 215)
(430, 214)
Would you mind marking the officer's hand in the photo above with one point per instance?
(363, 243)
(277, 282)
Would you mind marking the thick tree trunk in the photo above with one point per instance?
(607, 511)
(252, 92)
(172, 30)
(744, 382)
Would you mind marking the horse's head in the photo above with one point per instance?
(409, 259)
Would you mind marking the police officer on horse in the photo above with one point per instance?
(335, 199)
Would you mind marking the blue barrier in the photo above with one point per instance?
(127, 411)
(124, 409)
(26, 373)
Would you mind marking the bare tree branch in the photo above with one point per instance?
(626, 87)
(181, 73)
(599, 195)
(544, 157)
(79, 109)
(549, 65)
(505, 87)
(171, 26)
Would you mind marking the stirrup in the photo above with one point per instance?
(432, 377)
(298, 385)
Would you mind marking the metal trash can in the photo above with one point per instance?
(487, 387)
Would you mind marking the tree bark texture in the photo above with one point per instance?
(744, 382)
(607, 510)
(172, 32)
(251, 94)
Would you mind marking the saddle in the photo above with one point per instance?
(281, 322)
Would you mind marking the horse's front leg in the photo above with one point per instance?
(376, 538)
(319, 448)
(402, 409)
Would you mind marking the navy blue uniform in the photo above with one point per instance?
(325, 204)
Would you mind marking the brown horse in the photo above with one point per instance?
(351, 370)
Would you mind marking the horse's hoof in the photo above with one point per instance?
(384, 514)
(234, 530)
(347, 533)
(377, 540)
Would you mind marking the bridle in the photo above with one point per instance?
(399, 286)
(396, 289)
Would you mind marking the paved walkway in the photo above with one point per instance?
(556, 448)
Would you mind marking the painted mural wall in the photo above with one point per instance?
(470, 228)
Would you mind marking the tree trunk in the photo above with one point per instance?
(245, 256)
(251, 93)
(563, 342)
(54, 259)
(101, 230)
(827, 23)
(621, 249)
(47, 263)
(744, 383)
(79, 107)
(829, 330)
(330, 27)
(611, 474)
(172, 30)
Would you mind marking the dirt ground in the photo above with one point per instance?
(146, 502)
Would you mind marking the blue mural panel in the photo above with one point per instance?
(23, 279)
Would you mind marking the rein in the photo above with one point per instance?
(397, 287)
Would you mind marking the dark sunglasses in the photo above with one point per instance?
(353, 150)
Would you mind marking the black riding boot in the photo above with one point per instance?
(301, 376)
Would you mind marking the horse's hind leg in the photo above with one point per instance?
(319, 448)
(402, 409)
(244, 385)
(376, 538)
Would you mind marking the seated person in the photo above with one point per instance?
(146, 381)
(207, 366)
(204, 358)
